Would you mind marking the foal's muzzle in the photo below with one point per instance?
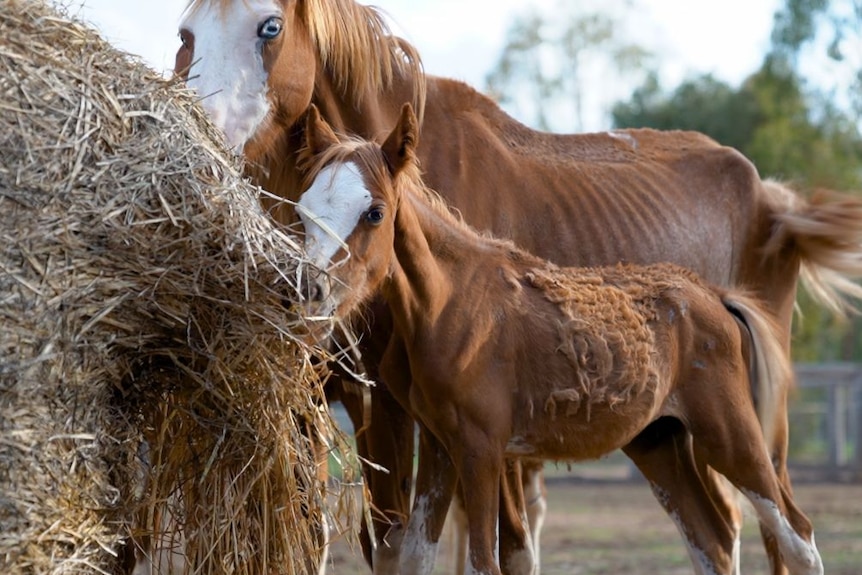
(315, 287)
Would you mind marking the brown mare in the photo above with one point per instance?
(512, 356)
(637, 196)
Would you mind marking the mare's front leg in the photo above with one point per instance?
(435, 484)
(384, 437)
(389, 442)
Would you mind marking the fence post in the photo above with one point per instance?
(857, 448)
(837, 426)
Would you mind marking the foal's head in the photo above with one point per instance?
(348, 211)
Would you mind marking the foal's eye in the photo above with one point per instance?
(374, 216)
(269, 28)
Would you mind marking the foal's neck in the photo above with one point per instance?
(435, 257)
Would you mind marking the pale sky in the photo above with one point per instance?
(463, 38)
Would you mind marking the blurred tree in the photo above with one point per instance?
(829, 34)
(544, 67)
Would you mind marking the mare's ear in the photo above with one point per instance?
(318, 135)
(399, 149)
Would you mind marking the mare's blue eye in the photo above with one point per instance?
(374, 216)
(270, 28)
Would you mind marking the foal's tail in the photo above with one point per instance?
(770, 370)
(826, 233)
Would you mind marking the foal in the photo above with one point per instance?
(512, 357)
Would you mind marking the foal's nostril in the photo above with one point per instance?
(315, 293)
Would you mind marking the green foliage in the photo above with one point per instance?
(789, 135)
(703, 104)
(796, 24)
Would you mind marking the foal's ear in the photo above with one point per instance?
(399, 149)
(318, 135)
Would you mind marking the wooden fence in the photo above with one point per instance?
(826, 420)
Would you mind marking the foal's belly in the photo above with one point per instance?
(562, 431)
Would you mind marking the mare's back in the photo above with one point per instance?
(639, 196)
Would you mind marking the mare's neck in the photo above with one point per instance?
(371, 117)
(273, 162)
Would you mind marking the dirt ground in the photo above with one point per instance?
(604, 528)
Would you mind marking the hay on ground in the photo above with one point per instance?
(149, 374)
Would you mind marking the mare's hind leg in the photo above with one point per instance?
(663, 453)
(536, 499)
(517, 554)
(779, 460)
(731, 442)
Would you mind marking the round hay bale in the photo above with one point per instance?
(152, 387)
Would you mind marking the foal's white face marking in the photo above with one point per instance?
(330, 210)
(228, 71)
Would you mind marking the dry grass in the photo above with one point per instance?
(151, 374)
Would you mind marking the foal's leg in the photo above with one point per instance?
(520, 520)
(435, 483)
(732, 441)
(390, 439)
(479, 463)
(663, 453)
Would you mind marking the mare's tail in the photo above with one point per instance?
(826, 233)
(770, 369)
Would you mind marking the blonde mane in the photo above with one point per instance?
(356, 47)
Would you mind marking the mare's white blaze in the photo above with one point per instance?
(330, 210)
(800, 556)
(418, 552)
(228, 71)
